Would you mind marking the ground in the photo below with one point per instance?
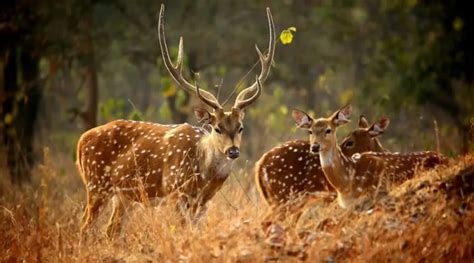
(428, 218)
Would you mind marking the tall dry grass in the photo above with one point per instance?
(427, 218)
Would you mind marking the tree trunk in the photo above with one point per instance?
(89, 114)
(19, 128)
(177, 115)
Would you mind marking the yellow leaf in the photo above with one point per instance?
(286, 36)
(8, 118)
(346, 96)
(169, 91)
(172, 228)
(458, 24)
(412, 3)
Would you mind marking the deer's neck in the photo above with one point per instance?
(339, 172)
(213, 163)
(378, 146)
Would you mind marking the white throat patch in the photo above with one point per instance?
(327, 158)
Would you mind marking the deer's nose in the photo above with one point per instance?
(315, 148)
(233, 152)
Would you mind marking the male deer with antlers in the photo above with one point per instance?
(288, 171)
(128, 158)
(360, 174)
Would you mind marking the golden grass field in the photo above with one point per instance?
(429, 218)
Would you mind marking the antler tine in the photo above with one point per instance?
(211, 102)
(265, 60)
(175, 71)
(241, 104)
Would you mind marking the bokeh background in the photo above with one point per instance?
(67, 66)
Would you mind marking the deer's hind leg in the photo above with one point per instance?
(116, 221)
(95, 201)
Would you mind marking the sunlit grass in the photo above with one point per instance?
(427, 218)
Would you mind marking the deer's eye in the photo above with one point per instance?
(218, 130)
(241, 129)
(328, 131)
(350, 144)
(310, 131)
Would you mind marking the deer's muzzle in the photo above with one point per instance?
(233, 152)
(314, 148)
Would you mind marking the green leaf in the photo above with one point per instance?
(135, 115)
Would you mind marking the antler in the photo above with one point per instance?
(176, 71)
(211, 102)
(265, 60)
(241, 104)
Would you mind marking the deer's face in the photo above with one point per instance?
(365, 137)
(322, 134)
(226, 131)
(226, 126)
(322, 131)
(357, 141)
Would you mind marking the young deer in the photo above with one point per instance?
(288, 171)
(139, 160)
(360, 174)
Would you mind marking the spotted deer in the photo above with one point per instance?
(288, 171)
(136, 161)
(360, 174)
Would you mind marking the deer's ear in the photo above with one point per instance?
(302, 119)
(342, 116)
(203, 116)
(238, 113)
(242, 115)
(379, 127)
(363, 123)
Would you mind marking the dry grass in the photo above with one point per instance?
(428, 218)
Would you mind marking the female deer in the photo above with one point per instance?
(362, 173)
(288, 171)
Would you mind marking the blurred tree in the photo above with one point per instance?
(408, 59)
(20, 90)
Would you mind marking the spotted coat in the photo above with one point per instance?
(288, 171)
(135, 158)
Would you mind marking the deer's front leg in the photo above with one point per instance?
(190, 210)
(183, 208)
(200, 216)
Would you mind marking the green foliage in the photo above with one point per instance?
(135, 115)
(112, 108)
(402, 58)
(164, 111)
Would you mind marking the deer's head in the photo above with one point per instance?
(365, 137)
(226, 126)
(322, 131)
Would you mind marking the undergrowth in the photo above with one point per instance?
(428, 218)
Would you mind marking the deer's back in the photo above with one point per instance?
(400, 167)
(132, 157)
(289, 170)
